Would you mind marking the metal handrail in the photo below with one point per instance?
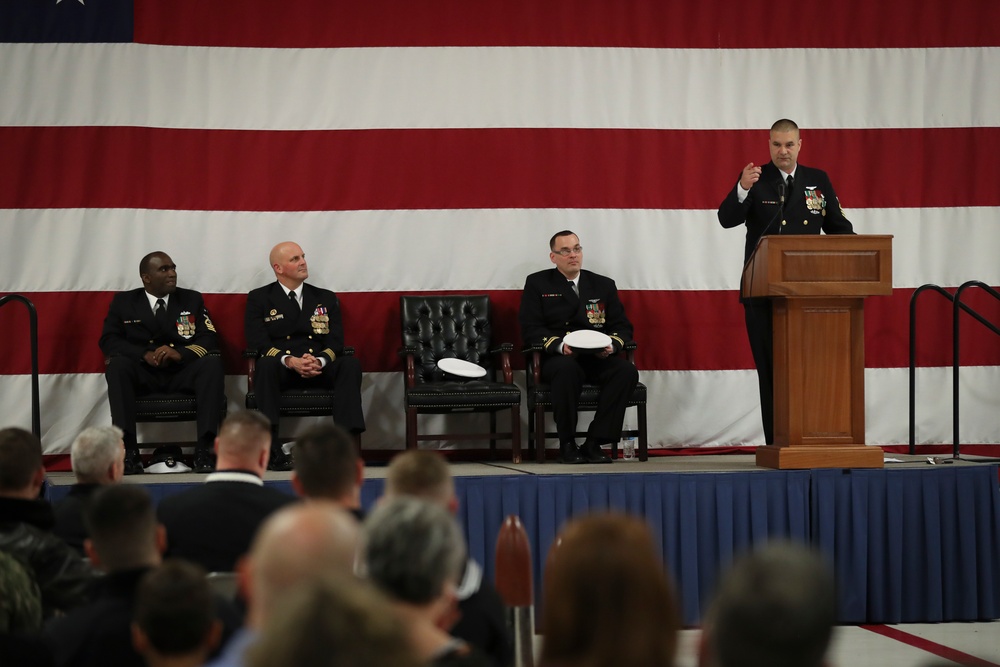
(957, 307)
(36, 423)
(955, 358)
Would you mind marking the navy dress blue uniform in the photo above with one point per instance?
(549, 310)
(275, 327)
(810, 206)
(131, 330)
(214, 524)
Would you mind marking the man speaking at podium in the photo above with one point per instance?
(780, 197)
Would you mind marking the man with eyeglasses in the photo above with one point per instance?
(569, 298)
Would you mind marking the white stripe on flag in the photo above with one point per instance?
(312, 89)
(487, 249)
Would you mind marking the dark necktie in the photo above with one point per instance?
(160, 313)
(295, 303)
(791, 184)
(572, 286)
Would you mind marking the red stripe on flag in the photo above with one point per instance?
(132, 167)
(708, 24)
(676, 330)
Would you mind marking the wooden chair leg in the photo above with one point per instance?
(539, 434)
(515, 430)
(493, 432)
(411, 428)
(531, 431)
(643, 444)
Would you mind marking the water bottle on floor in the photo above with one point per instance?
(627, 443)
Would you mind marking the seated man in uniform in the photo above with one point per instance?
(569, 298)
(296, 330)
(159, 338)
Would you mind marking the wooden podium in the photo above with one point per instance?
(817, 285)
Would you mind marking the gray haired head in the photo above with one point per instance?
(94, 451)
(413, 548)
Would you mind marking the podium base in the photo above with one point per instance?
(808, 456)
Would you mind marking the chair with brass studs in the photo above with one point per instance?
(456, 326)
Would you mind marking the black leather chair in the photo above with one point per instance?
(540, 402)
(168, 407)
(457, 326)
(160, 407)
(294, 402)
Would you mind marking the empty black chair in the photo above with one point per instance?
(456, 326)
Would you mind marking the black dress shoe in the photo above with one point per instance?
(279, 461)
(133, 462)
(570, 454)
(593, 453)
(204, 461)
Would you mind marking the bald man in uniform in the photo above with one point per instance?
(296, 330)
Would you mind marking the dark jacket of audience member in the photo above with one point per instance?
(69, 515)
(127, 543)
(98, 633)
(20, 616)
(26, 524)
(213, 524)
(63, 577)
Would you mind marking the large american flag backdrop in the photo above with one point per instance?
(435, 146)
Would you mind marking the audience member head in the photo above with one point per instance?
(327, 466)
(299, 543)
(413, 550)
(775, 607)
(98, 455)
(123, 531)
(339, 621)
(21, 471)
(174, 618)
(244, 442)
(423, 474)
(608, 600)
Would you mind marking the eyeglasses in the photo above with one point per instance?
(566, 252)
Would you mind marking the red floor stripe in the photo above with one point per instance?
(940, 650)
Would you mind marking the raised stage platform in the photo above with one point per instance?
(910, 543)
